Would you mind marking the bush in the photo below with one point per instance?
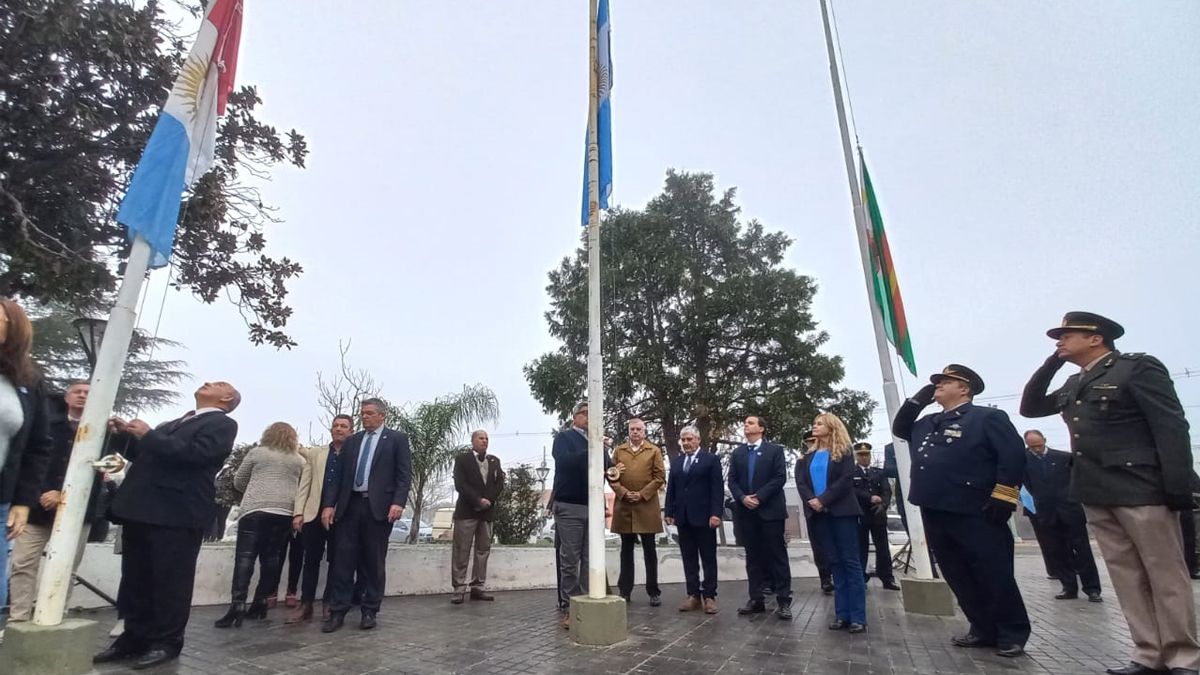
(518, 511)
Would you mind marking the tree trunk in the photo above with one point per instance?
(418, 502)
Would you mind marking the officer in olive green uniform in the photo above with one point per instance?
(1131, 469)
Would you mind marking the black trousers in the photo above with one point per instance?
(976, 560)
(291, 553)
(767, 563)
(1070, 554)
(1187, 523)
(314, 538)
(698, 548)
(649, 555)
(159, 564)
(876, 529)
(360, 544)
(820, 557)
(1046, 545)
(260, 538)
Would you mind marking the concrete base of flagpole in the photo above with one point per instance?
(598, 622)
(65, 649)
(927, 596)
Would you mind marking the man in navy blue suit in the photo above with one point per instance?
(757, 473)
(695, 500)
(366, 493)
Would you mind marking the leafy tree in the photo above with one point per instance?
(701, 324)
(146, 384)
(434, 431)
(518, 512)
(81, 84)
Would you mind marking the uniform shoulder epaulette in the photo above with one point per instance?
(1133, 356)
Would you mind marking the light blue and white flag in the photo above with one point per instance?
(603, 114)
(1027, 501)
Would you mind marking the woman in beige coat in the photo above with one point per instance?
(636, 512)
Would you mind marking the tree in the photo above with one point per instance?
(701, 324)
(81, 84)
(518, 512)
(146, 384)
(435, 429)
(342, 393)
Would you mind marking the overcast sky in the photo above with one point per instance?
(1030, 158)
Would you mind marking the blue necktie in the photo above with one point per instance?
(751, 459)
(687, 464)
(364, 456)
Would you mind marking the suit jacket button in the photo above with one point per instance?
(1074, 419)
(1076, 435)
(968, 482)
(1079, 454)
(1128, 463)
(1078, 402)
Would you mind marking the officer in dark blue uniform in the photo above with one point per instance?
(967, 463)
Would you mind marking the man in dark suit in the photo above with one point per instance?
(479, 481)
(757, 474)
(695, 497)
(1131, 468)
(967, 464)
(1063, 524)
(165, 504)
(365, 494)
(874, 495)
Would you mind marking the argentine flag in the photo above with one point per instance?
(604, 114)
(180, 149)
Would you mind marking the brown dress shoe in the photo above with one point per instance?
(479, 594)
(691, 604)
(302, 613)
(566, 622)
(710, 606)
(457, 598)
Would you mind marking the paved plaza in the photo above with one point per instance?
(520, 633)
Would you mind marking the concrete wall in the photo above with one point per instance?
(425, 569)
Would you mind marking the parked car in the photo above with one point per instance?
(897, 535)
(402, 528)
(442, 528)
(726, 525)
(547, 533)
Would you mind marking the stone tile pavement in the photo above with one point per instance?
(520, 633)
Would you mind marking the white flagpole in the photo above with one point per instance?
(57, 569)
(916, 528)
(597, 579)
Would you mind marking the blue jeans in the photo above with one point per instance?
(838, 536)
(4, 547)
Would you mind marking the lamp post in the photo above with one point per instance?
(91, 334)
(543, 470)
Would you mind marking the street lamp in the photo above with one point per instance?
(543, 470)
(91, 333)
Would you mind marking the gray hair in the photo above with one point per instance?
(690, 429)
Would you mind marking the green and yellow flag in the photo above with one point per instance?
(883, 274)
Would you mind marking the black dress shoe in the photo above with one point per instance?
(891, 585)
(368, 621)
(857, 628)
(839, 624)
(1195, 574)
(153, 658)
(970, 640)
(1010, 651)
(113, 654)
(655, 600)
(334, 622)
(1067, 595)
(826, 587)
(1134, 668)
(752, 607)
(1183, 671)
(1095, 597)
(784, 612)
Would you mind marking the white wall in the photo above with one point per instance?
(423, 569)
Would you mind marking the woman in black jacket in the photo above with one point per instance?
(825, 479)
(24, 432)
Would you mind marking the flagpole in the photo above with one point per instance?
(58, 568)
(597, 579)
(916, 528)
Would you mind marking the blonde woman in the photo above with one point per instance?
(825, 479)
(268, 479)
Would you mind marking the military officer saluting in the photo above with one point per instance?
(967, 463)
(1131, 469)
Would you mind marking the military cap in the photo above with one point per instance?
(961, 373)
(861, 448)
(1091, 323)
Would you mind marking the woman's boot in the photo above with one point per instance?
(257, 610)
(233, 617)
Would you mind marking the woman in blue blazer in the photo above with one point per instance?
(825, 478)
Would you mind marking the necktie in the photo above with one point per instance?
(751, 459)
(364, 456)
(687, 464)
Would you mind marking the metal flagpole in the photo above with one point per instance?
(597, 579)
(89, 440)
(916, 529)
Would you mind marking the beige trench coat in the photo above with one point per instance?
(644, 474)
